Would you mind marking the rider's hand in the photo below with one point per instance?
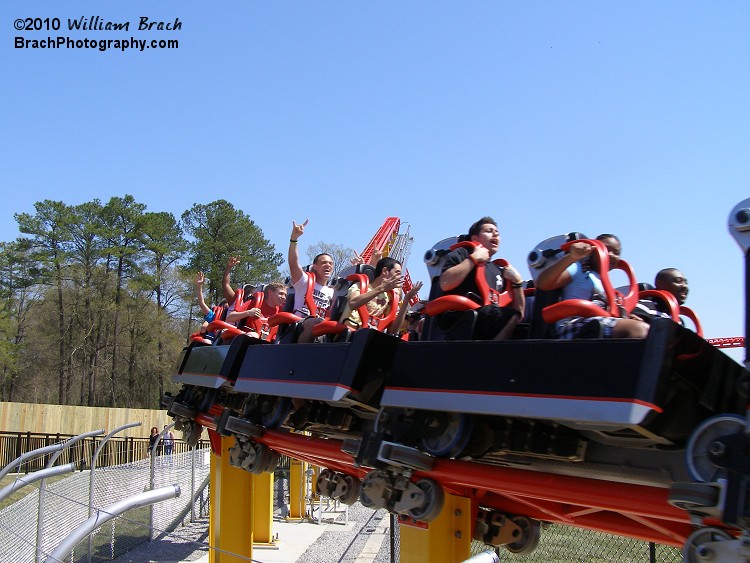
(298, 230)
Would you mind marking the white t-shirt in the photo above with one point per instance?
(322, 296)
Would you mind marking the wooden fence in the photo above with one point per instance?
(73, 420)
(117, 450)
(25, 427)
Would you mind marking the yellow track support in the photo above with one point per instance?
(447, 539)
(297, 487)
(263, 509)
(231, 523)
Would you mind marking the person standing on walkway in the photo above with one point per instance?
(168, 441)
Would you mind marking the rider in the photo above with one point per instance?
(274, 297)
(377, 298)
(322, 269)
(458, 278)
(576, 274)
(673, 281)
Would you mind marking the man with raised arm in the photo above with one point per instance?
(321, 268)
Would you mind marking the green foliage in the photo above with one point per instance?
(219, 231)
(96, 299)
(341, 255)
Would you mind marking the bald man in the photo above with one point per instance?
(673, 281)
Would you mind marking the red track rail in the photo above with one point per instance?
(384, 235)
(731, 342)
(381, 241)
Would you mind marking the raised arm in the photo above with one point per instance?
(293, 256)
(199, 281)
(226, 280)
(556, 276)
(403, 308)
(375, 258)
(356, 299)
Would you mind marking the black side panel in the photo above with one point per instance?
(360, 366)
(586, 368)
(698, 381)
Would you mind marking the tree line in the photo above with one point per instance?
(97, 299)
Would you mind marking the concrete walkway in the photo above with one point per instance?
(359, 535)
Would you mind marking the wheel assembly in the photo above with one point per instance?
(530, 532)
(699, 463)
(191, 433)
(453, 438)
(696, 498)
(252, 457)
(323, 484)
(695, 550)
(274, 410)
(349, 490)
(432, 501)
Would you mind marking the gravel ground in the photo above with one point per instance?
(367, 540)
(187, 543)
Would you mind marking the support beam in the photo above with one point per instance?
(263, 509)
(446, 539)
(297, 489)
(231, 529)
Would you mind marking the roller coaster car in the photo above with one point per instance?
(618, 408)
(635, 411)
(615, 429)
(536, 403)
(206, 375)
(335, 387)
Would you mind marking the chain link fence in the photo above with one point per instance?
(565, 544)
(66, 506)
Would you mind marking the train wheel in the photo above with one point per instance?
(530, 532)
(694, 550)
(454, 437)
(207, 400)
(693, 497)
(261, 460)
(274, 410)
(366, 501)
(351, 492)
(191, 433)
(433, 501)
(272, 462)
(699, 463)
(322, 482)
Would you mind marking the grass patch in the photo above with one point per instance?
(117, 536)
(22, 492)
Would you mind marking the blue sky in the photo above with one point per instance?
(624, 117)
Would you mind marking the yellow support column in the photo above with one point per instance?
(297, 486)
(263, 509)
(213, 488)
(231, 524)
(447, 539)
(313, 495)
